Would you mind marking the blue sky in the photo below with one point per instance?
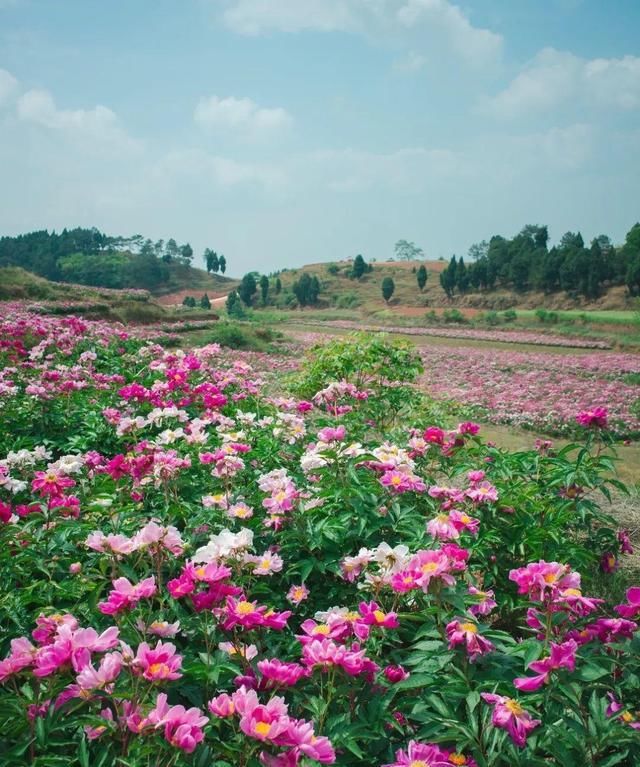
(283, 132)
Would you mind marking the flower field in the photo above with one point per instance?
(221, 559)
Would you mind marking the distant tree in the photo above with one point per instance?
(247, 288)
(186, 251)
(171, 250)
(462, 278)
(233, 305)
(147, 249)
(359, 267)
(448, 277)
(478, 250)
(189, 301)
(421, 277)
(632, 277)
(222, 261)
(388, 288)
(278, 286)
(211, 260)
(408, 251)
(306, 289)
(314, 290)
(264, 289)
(159, 248)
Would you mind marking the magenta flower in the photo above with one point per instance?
(297, 594)
(485, 601)
(542, 580)
(281, 673)
(632, 607)
(182, 727)
(157, 664)
(420, 755)
(561, 656)
(125, 595)
(466, 633)
(596, 418)
(395, 674)
(509, 715)
(222, 706)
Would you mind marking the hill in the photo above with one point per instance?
(340, 291)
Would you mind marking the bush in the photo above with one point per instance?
(454, 316)
(492, 318)
(347, 301)
(333, 268)
(510, 315)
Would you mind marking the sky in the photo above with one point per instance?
(285, 132)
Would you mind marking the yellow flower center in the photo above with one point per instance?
(627, 716)
(514, 707)
(429, 567)
(465, 521)
(200, 571)
(550, 578)
(159, 669)
(470, 627)
(262, 728)
(396, 480)
(418, 763)
(379, 616)
(265, 564)
(573, 592)
(322, 629)
(245, 608)
(457, 759)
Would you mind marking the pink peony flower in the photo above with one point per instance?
(125, 595)
(509, 715)
(561, 656)
(157, 664)
(465, 632)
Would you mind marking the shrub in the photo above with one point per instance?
(510, 315)
(454, 316)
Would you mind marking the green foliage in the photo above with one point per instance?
(421, 277)
(264, 289)
(205, 303)
(408, 251)
(368, 362)
(359, 267)
(388, 287)
(248, 288)
(454, 316)
(546, 316)
(234, 305)
(307, 289)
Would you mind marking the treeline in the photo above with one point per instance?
(90, 257)
(526, 263)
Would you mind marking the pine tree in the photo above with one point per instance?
(388, 288)
(421, 277)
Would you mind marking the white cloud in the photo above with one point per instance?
(99, 125)
(222, 171)
(439, 20)
(412, 62)
(556, 78)
(254, 17)
(409, 169)
(241, 116)
(469, 42)
(8, 85)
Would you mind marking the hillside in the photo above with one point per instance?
(63, 298)
(339, 291)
